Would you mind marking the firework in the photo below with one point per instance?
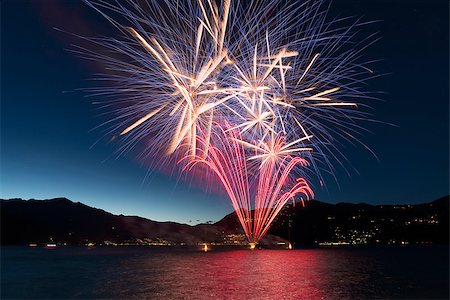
(258, 92)
(227, 157)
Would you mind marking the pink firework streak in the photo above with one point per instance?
(225, 154)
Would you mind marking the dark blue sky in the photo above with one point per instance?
(46, 123)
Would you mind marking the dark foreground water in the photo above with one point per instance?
(123, 273)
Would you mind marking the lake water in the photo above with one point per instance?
(123, 273)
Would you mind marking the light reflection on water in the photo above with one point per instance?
(241, 274)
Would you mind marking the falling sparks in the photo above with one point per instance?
(275, 186)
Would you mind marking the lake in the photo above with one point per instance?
(138, 272)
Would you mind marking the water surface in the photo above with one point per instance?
(123, 273)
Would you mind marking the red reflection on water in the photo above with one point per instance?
(143, 273)
(245, 274)
(259, 274)
(265, 274)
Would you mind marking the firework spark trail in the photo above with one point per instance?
(227, 158)
(260, 89)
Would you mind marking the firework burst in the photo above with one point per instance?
(255, 91)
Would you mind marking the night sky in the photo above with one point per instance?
(46, 122)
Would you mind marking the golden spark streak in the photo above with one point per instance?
(308, 67)
(318, 96)
(305, 90)
(142, 120)
(226, 8)
(301, 127)
(274, 62)
(206, 16)
(296, 141)
(199, 38)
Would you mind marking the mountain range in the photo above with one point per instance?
(317, 223)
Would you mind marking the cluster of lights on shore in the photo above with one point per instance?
(255, 93)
